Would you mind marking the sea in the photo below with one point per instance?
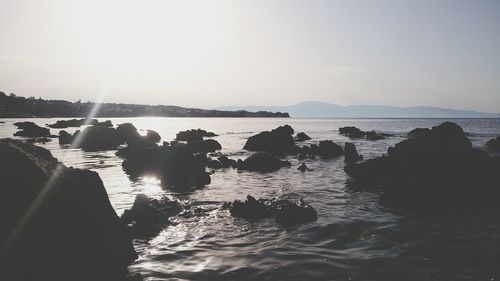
(354, 237)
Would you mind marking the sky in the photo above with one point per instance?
(256, 52)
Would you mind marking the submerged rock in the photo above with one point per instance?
(287, 212)
(277, 141)
(435, 170)
(30, 129)
(149, 216)
(263, 162)
(351, 154)
(302, 137)
(193, 135)
(494, 144)
(57, 221)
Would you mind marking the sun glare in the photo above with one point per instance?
(154, 37)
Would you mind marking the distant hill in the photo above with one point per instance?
(12, 106)
(327, 110)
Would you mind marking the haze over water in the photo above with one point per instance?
(354, 238)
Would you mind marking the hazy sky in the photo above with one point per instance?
(269, 52)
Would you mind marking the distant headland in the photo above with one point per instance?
(13, 106)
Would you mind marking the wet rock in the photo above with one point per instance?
(203, 146)
(30, 129)
(437, 170)
(263, 162)
(494, 144)
(302, 137)
(128, 133)
(328, 149)
(193, 135)
(355, 133)
(61, 124)
(39, 140)
(153, 136)
(226, 162)
(351, 154)
(287, 212)
(214, 164)
(149, 216)
(95, 138)
(73, 227)
(106, 123)
(417, 132)
(65, 137)
(302, 167)
(277, 141)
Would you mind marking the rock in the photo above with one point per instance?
(435, 171)
(193, 135)
(328, 149)
(61, 124)
(277, 141)
(127, 133)
(203, 146)
(65, 137)
(153, 136)
(226, 162)
(214, 164)
(263, 162)
(302, 167)
(61, 220)
(106, 123)
(351, 154)
(39, 140)
(30, 129)
(302, 137)
(95, 138)
(355, 133)
(417, 132)
(494, 144)
(149, 216)
(287, 212)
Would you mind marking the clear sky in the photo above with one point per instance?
(269, 52)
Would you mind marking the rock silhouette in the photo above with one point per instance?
(355, 133)
(277, 141)
(262, 162)
(193, 135)
(302, 137)
(493, 144)
(30, 129)
(351, 153)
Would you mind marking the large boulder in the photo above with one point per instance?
(65, 137)
(149, 216)
(193, 135)
(302, 137)
(95, 138)
(493, 144)
(128, 133)
(351, 153)
(277, 141)
(262, 162)
(57, 221)
(287, 211)
(328, 149)
(152, 136)
(437, 170)
(203, 146)
(31, 130)
(355, 133)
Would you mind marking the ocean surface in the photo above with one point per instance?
(354, 238)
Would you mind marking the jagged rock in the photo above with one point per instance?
(302, 167)
(262, 162)
(355, 133)
(226, 162)
(65, 137)
(153, 136)
(434, 171)
(57, 221)
(287, 212)
(149, 216)
(31, 130)
(193, 135)
(328, 149)
(351, 154)
(494, 144)
(277, 141)
(302, 137)
(96, 138)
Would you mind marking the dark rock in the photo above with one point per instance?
(128, 133)
(31, 130)
(39, 140)
(263, 162)
(203, 146)
(372, 135)
(328, 149)
(434, 171)
(149, 216)
(352, 132)
(287, 212)
(417, 132)
(214, 164)
(65, 137)
(302, 167)
(351, 154)
(494, 144)
(57, 221)
(96, 138)
(60, 124)
(153, 136)
(226, 162)
(277, 141)
(302, 137)
(106, 123)
(193, 135)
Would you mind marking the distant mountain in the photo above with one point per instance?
(314, 109)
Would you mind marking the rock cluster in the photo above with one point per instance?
(61, 124)
(277, 141)
(193, 135)
(30, 129)
(355, 133)
(435, 169)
